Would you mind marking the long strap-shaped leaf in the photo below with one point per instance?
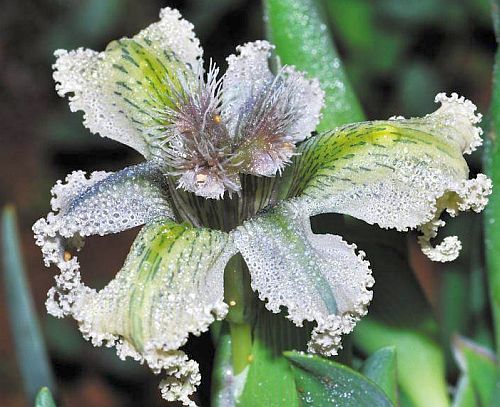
(30, 346)
(492, 167)
(302, 39)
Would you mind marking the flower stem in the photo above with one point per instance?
(238, 295)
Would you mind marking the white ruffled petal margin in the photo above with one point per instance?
(170, 286)
(307, 98)
(168, 296)
(248, 77)
(316, 277)
(175, 34)
(113, 89)
(468, 195)
(401, 173)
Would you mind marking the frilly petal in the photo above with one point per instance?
(455, 120)
(316, 277)
(123, 90)
(308, 100)
(101, 204)
(399, 173)
(171, 285)
(173, 33)
(248, 76)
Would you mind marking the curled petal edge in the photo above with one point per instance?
(471, 194)
(57, 242)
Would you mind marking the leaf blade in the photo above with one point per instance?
(381, 368)
(322, 382)
(492, 169)
(479, 369)
(302, 39)
(44, 398)
(30, 347)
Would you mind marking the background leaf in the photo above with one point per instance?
(480, 369)
(492, 168)
(44, 398)
(381, 368)
(30, 347)
(302, 38)
(270, 381)
(322, 383)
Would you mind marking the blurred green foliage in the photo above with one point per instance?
(397, 55)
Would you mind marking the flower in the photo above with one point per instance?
(233, 166)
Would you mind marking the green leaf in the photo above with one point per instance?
(302, 39)
(464, 393)
(479, 369)
(381, 368)
(399, 316)
(30, 347)
(44, 398)
(492, 169)
(321, 382)
(420, 360)
(270, 381)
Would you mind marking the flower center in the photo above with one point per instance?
(208, 153)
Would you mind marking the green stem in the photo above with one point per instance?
(238, 295)
(241, 341)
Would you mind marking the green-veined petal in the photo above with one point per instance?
(170, 286)
(316, 277)
(397, 173)
(101, 204)
(123, 90)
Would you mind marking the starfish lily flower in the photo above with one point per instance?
(232, 165)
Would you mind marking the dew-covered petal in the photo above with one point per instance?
(175, 34)
(170, 286)
(248, 77)
(399, 173)
(107, 202)
(123, 90)
(308, 99)
(316, 277)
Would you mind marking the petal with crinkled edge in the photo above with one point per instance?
(124, 90)
(171, 285)
(175, 34)
(248, 76)
(316, 277)
(101, 204)
(399, 173)
(308, 99)
(455, 120)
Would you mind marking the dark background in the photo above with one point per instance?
(398, 54)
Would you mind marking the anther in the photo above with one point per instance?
(217, 119)
(67, 256)
(200, 178)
